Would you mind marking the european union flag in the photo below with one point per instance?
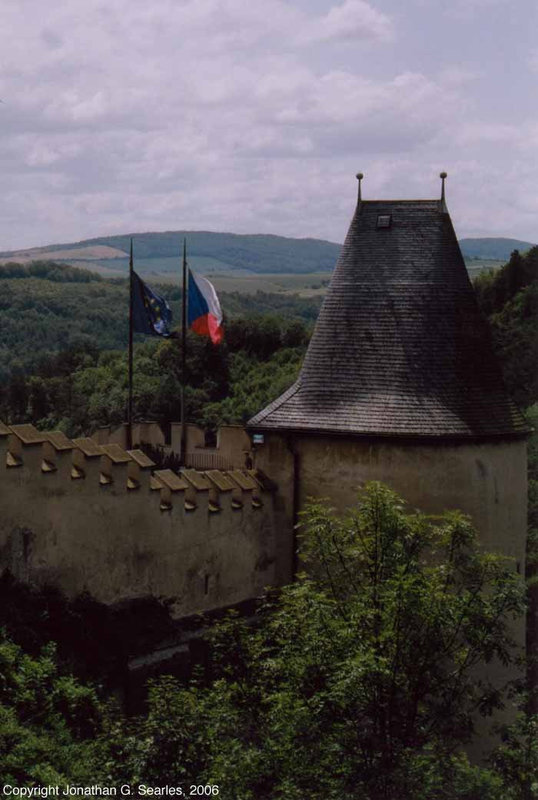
(151, 313)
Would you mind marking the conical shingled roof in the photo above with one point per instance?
(400, 347)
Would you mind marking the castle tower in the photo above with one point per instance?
(400, 384)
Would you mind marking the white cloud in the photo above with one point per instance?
(353, 20)
(230, 115)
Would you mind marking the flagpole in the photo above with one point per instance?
(183, 444)
(130, 400)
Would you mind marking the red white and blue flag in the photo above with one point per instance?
(204, 311)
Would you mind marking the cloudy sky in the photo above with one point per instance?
(253, 116)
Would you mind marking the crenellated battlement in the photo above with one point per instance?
(89, 516)
(53, 455)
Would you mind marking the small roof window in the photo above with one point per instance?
(383, 221)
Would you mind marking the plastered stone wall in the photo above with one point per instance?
(486, 481)
(275, 459)
(233, 445)
(146, 432)
(89, 517)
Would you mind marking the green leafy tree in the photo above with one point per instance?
(532, 560)
(359, 680)
(516, 761)
(47, 720)
(17, 397)
(509, 298)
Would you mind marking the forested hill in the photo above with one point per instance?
(63, 351)
(46, 308)
(159, 253)
(497, 248)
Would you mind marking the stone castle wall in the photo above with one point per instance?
(96, 518)
(487, 481)
(93, 517)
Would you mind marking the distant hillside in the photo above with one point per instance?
(159, 254)
(208, 252)
(47, 308)
(499, 249)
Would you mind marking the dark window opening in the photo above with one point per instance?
(210, 437)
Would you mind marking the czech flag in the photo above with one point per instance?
(204, 311)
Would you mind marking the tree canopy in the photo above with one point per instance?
(509, 298)
(357, 681)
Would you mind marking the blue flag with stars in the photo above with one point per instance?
(151, 313)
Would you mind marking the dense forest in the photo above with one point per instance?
(509, 298)
(64, 360)
(63, 332)
(82, 388)
(342, 687)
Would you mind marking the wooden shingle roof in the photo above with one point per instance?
(400, 347)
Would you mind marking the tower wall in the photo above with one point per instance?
(487, 481)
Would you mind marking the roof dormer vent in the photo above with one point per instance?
(384, 221)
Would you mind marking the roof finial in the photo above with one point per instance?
(442, 175)
(359, 177)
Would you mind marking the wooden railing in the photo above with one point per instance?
(203, 461)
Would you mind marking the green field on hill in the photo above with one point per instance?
(476, 266)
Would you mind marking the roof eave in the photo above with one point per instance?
(437, 438)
